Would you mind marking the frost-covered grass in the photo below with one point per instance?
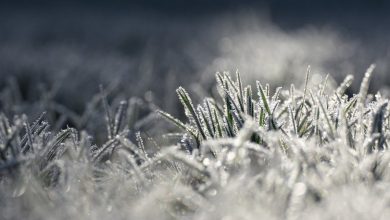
(251, 153)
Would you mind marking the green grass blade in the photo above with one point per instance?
(187, 103)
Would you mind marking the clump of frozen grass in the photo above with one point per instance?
(251, 153)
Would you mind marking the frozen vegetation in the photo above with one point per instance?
(247, 152)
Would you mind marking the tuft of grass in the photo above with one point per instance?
(290, 154)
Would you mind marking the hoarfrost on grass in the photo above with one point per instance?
(314, 153)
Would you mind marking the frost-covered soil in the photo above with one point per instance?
(250, 152)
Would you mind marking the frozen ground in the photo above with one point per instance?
(254, 152)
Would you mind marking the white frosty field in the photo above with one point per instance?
(250, 152)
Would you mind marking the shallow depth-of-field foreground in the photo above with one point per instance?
(253, 152)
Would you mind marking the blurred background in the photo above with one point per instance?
(61, 51)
